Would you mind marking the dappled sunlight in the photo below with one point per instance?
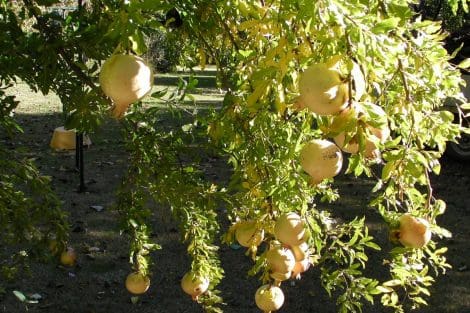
(34, 103)
(261, 141)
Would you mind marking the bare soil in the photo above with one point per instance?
(96, 284)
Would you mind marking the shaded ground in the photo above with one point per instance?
(96, 284)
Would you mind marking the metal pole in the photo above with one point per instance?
(77, 155)
(81, 187)
(79, 142)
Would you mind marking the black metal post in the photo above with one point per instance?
(77, 155)
(81, 187)
(79, 163)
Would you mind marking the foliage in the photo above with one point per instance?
(388, 57)
(30, 214)
(399, 65)
(453, 14)
(165, 169)
(164, 50)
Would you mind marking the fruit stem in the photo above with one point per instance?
(118, 110)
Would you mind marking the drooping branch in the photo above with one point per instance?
(66, 57)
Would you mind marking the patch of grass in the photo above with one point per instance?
(206, 95)
(32, 102)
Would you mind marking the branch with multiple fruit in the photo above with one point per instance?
(308, 86)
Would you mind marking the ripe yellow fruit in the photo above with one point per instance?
(371, 112)
(300, 267)
(302, 259)
(280, 276)
(371, 150)
(194, 285)
(125, 78)
(301, 251)
(346, 119)
(280, 260)
(290, 229)
(137, 283)
(321, 159)
(269, 298)
(248, 235)
(414, 232)
(68, 257)
(382, 134)
(322, 91)
(352, 146)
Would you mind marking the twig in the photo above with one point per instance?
(350, 85)
(429, 187)
(405, 82)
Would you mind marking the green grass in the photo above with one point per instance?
(34, 103)
(205, 96)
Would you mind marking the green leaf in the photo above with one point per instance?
(133, 223)
(420, 300)
(138, 43)
(135, 299)
(159, 93)
(19, 295)
(246, 53)
(187, 128)
(393, 283)
(150, 5)
(388, 169)
(446, 116)
(465, 64)
(382, 289)
(372, 245)
(386, 25)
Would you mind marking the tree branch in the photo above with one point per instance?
(60, 50)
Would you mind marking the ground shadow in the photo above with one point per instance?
(96, 284)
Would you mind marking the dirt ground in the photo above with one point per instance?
(96, 285)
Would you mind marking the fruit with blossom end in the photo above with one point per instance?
(290, 229)
(247, 234)
(68, 257)
(300, 267)
(280, 260)
(301, 251)
(125, 78)
(269, 298)
(194, 285)
(322, 90)
(321, 159)
(414, 232)
(137, 283)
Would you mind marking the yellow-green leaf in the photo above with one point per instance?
(386, 25)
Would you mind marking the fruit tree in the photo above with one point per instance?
(313, 89)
